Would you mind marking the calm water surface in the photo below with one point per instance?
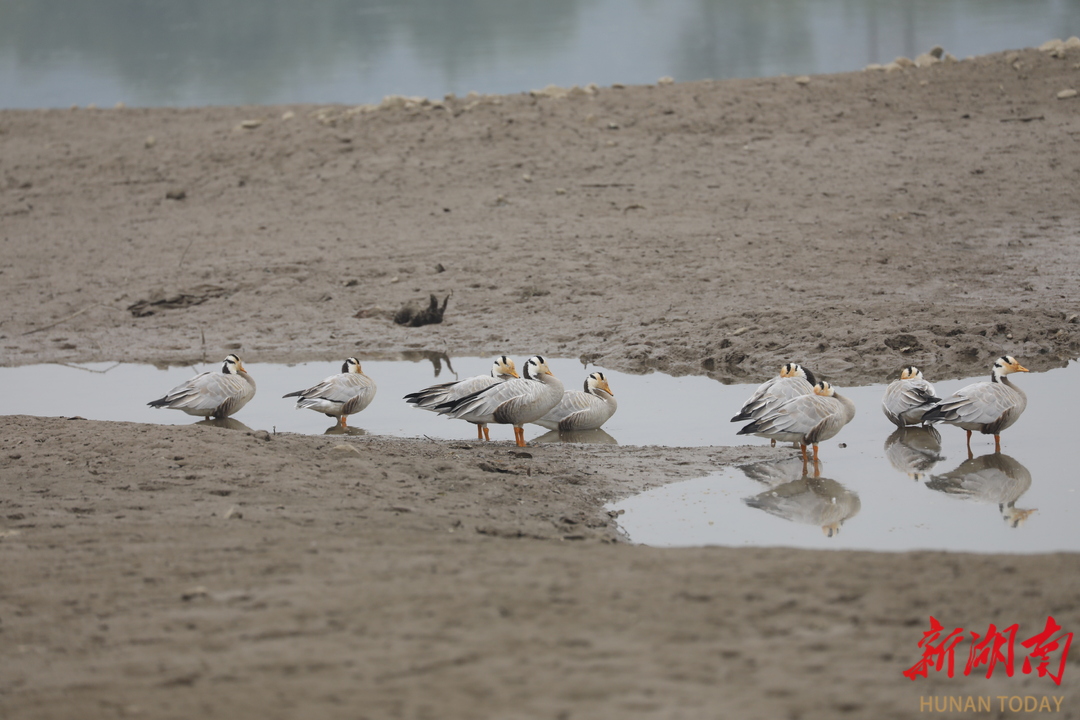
(882, 491)
(888, 490)
(58, 53)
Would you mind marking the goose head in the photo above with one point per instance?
(352, 365)
(1006, 364)
(824, 389)
(597, 381)
(504, 367)
(536, 367)
(911, 373)
(791, 370)
(232, 365)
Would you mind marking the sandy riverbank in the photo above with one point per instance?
(855, 222)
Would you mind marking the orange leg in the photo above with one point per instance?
(997, 444)
(519, 436)
(487, 435)
(342, 422)
(479, 431)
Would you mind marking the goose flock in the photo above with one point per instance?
(502, 397)
(792, 407)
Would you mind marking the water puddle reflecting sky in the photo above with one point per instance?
(888, 490)
(883, 491)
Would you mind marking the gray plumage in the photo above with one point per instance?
(793, 380)
(513, 402)
(339, 395)
(212, 394)
(806, 419)
(908, 399)
(582, 410)
(431, 398)
(987, 407)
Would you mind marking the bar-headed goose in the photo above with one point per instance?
(906, 400)
(989, 407)
(513, 402)
(582, 410)
(339, 395)
(793, 380)
(432, 397)
(212, 394)
(806, 419)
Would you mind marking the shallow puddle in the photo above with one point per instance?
(888, 490)
(654, 409)
(883, 491)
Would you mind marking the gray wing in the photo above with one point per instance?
(904, 396)
(771, 394)
(208, 391)
(516, 400)
(578, 411)
(754, 402)
(803, 415)
(339, 388)
(980, 403)
(431, 397)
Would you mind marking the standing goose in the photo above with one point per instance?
(906, 400)
(431, 397)
(793, 380)
(339, 395)
(989, 406)
(806, 419)
(212, 394)
(579, 410)
(513, 402)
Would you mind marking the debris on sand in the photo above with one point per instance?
(159, 300)
(412, 315)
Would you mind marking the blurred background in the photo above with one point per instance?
(59, 53)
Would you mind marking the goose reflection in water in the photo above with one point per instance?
(226, 422)
(810, 500)
(914, 451)
(993, 478)
(336, 429)
(597, 435)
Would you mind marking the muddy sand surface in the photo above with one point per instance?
(856, 223)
